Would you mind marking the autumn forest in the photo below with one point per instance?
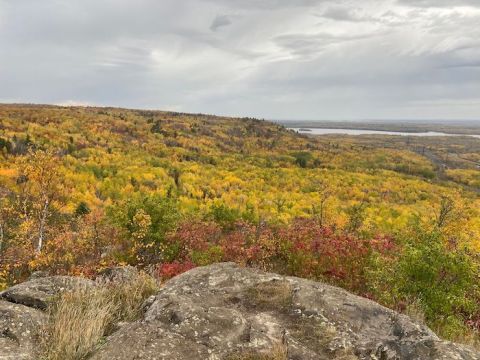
(395, 219)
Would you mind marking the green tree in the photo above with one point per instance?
(224, 216)
(302, 159)
(146, 220)
(82, 209)
(443, 277)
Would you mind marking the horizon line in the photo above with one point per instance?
(276, 120)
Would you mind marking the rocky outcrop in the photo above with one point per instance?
(19, 331)
(21, 318)
(117, 274)
(38, 291)
(227, 312)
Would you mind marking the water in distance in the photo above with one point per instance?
(325, 131)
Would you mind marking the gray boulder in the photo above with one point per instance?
(227, 312)
(38, 291)
(117, 274)
(19, 331)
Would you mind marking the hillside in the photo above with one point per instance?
(87, 188)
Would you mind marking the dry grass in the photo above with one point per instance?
(81, 318)
(275, 294)
(278, 352)
(415, 312)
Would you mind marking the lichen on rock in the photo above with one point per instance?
(224, 311)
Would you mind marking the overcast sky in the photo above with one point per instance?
(275, 59)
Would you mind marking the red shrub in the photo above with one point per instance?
(314, 251)
(169, 270)
(303, 249)
(196, 235)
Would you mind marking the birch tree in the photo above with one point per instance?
(41, 188)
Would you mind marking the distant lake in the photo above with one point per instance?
(322, 131)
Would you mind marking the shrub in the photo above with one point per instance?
(190, 236)
(82, 209)
(437, 277)
(168, 270)
(443, 279)
(79, 249)
(303, 248)
(303, 158)
(224, 215)
(145, 221)
(315, 251)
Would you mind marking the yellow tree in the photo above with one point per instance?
(40, 185)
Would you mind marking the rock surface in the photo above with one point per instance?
(38, 291)
(227, 312)
(19, 327)
(117, 274)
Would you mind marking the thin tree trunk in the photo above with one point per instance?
(41, 232)
(25, 208)
(2, 235)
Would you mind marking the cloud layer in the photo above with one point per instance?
(278, 59)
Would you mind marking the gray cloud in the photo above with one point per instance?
(268, 58)
(267, 4)
(341, 14)
(220, 21)
(306, 45)
(439, 3)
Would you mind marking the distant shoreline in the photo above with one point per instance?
(464, 128)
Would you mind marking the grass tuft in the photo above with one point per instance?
(278, 352)
(275, 295)
(81, 318)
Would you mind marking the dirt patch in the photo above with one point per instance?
(271, 295)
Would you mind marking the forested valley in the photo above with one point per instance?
(394, 219)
